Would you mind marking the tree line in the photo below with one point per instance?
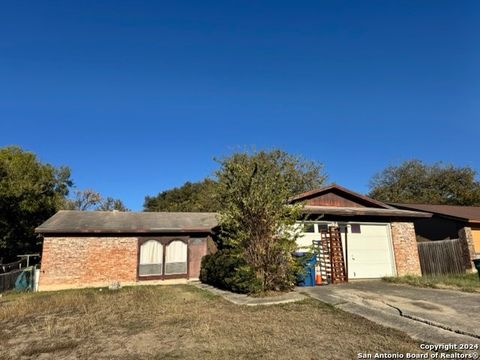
(411, 182)
(32, 191)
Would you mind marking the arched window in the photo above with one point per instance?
(151, 258)
(176, 258)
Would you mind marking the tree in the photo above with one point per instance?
(202, 195)
(198, 196)
(413, 181)
(89, 199)
(255, 218)
(111, 204)
(86, 199)
(30, 192)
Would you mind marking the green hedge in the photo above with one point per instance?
(227, 270)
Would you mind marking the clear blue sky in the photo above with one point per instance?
(138, 97)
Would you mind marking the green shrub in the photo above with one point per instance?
(227, 270)
(255, 218)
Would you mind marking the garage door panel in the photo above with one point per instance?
(366, 246)
(359, 239)
(369, 256)
(371, 230)
(370, 271)
(370, 252)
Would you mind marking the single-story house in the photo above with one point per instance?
(378, 239)
(95, 248)
(449, 222)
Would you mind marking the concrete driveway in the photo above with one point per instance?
(431, 315)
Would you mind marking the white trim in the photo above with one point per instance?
(392, 250)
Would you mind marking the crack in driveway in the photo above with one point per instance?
(421, 313)
(431, 323)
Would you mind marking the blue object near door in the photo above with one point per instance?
(308, 278)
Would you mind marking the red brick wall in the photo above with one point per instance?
(466, 239)
(405, 248)
(98, 261)
(84, 261)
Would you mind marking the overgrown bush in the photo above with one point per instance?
(256, 221)
(227, 270)
(255, 218)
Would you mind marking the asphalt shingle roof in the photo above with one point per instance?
(70, 221)
(467, 213)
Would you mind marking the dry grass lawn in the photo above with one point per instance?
(468, 282)
(181, 322)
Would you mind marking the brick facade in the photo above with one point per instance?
(80, 261)
(405, 249)
(466, 239)
(197, 249)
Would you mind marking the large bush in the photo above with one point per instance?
(227, 270)
(255, 218)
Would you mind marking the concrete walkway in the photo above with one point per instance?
(242, 299)
(430, 315)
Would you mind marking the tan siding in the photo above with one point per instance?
(476, 240)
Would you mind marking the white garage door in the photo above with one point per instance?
(369, 251)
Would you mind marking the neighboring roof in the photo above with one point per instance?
(69, 221)
(340, 189)
(464, 213)
(359, 211)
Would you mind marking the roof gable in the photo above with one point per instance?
(337, 196)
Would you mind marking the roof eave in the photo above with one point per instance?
(117, 231)
(365, 212)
